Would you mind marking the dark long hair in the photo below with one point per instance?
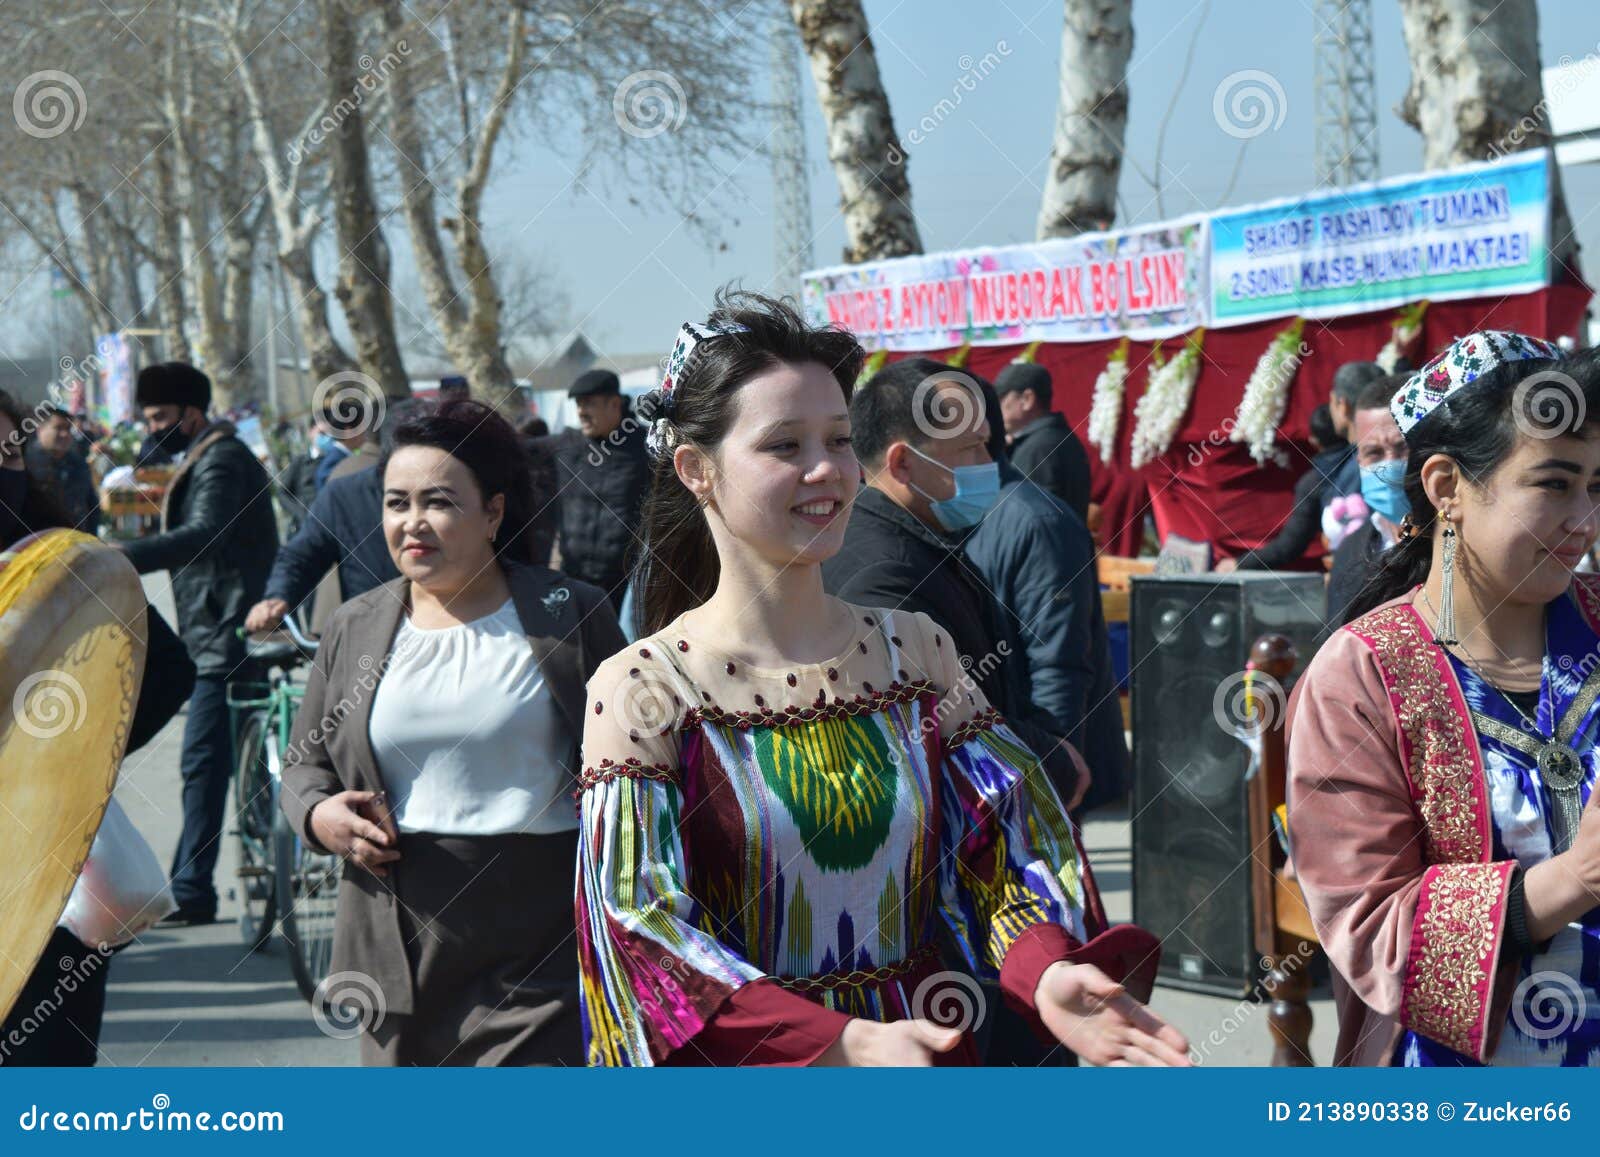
(481, 440)
(1478, 427)
(42, 507)
(678, 569)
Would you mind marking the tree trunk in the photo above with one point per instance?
(294, 223)
(323, 351)
(1476, 90)
(238, 294)
(168, 263)
(363, 287)
(875, 192)
(1080, 193)
(468, 319)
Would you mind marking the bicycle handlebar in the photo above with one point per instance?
(279, 653)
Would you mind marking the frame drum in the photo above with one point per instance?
(72, 642)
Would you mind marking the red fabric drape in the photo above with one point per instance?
(1208, 488)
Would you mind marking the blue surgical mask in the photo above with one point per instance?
(1382, 489)
(325, 442)
(977, 490)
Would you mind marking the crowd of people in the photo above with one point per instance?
(824, 662)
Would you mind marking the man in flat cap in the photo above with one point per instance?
(218, 537)
(603, 474)
(1042, 445)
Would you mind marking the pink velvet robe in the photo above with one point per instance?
(1389, 817)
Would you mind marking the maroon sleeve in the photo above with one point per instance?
(763, 1023)
(1127, 953)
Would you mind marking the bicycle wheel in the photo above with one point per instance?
(308, 899)
(255, 803)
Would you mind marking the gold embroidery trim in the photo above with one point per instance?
(1448, 978)
(1442, 767)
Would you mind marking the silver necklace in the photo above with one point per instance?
(1560, 767)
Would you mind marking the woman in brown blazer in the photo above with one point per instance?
(435, 751)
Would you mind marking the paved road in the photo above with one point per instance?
(193, 996)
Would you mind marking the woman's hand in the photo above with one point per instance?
(903, 1044)
(357, 825)
(1095, 1017)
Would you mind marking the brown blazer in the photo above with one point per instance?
(571, 628)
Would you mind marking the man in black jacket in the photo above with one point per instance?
(218, 536)
(1043, 447)
(603, 473)
(898, 553)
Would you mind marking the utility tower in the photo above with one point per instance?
(1346, 103)
(791, 190)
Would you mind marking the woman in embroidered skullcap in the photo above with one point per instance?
(1442, 745)
(434, 754)
(786, 798)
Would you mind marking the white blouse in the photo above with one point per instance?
(467, 735)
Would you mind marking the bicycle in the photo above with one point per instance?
(286, 881)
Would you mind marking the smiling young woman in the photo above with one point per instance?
(1442, 745)
(785, 795)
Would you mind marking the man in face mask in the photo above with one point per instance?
(218, 538)
(920, 432)
(1380, 453)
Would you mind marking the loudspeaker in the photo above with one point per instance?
(1189, 639)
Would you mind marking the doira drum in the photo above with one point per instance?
(72, 643)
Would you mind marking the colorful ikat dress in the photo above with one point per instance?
(766, 854)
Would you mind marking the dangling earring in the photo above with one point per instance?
(1444, 631)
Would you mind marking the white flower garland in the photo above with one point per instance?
(1105, 411)
(1266, 395)
(1166, 399)
(1404, 330)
